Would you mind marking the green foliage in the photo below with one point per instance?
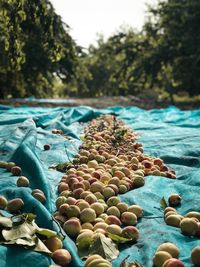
(34, 47)
(164, 56)
(174, 37)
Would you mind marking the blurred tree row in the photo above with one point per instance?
(165, 55)
(38, 56)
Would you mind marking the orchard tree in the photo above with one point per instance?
(35, 46)
(174, 35)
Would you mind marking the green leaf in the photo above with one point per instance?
(5, 222)
(46, 232)
(29, 216)
(105, 247)
(163, 203)
(118, 238)
(82, 138)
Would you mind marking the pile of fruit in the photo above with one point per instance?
(109, 162)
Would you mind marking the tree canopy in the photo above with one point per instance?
(34, 46)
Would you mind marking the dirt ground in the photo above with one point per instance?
(147, 102)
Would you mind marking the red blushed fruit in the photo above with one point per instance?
(62, 187)
(114, 187)
(16, 170)
(47, 147)
(174, 200)
(158, 162)
(78, 185)
(61, 257)
(96, 174)
(147, 164)
(92, 180)
(173, 263)
(111, 219)
(71, 201)
(164, 168)
(77, 192)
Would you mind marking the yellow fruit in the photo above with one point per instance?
(170, 248)
(189, 226)
(195, 256)
(53, 243)
(160, 257)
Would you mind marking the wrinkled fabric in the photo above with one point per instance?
(170, 134)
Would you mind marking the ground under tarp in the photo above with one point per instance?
(171, 134)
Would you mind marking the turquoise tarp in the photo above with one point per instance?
(171, 134)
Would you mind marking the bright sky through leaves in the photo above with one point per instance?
(89, 17)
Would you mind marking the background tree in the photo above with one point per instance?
(34, 46)
(173, 31)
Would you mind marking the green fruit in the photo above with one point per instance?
(87, 215)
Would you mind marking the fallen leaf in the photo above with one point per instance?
(105, 247)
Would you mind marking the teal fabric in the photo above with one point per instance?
(171, 134)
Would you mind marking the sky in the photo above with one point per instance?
(87, 18)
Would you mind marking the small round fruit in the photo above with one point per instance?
(108, 192)
(3, 202)
(130, 232)
(84, 240)
(87, 215)
(3, 164)
(16, 170)
(40, 197)
(173, 262)
(113, 201)
(170, 248)
(53, 243)
(189, 226)
(114, 229)
(92, 258)
(59, 201)
(194, 214)
(113, 211)
(72, 211)
(128, 218)
(72, 227)
(136, 209)
(10, 165)
(87, 226)
(174, 200)
(47, 147)
(22, 181)
(160, 258)
(169, 209)
(97, 207)
(111, 219)
(61, 257)
(173, 220)
(15, 205)
(100, 225)
(122, 207)
(195, 256)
